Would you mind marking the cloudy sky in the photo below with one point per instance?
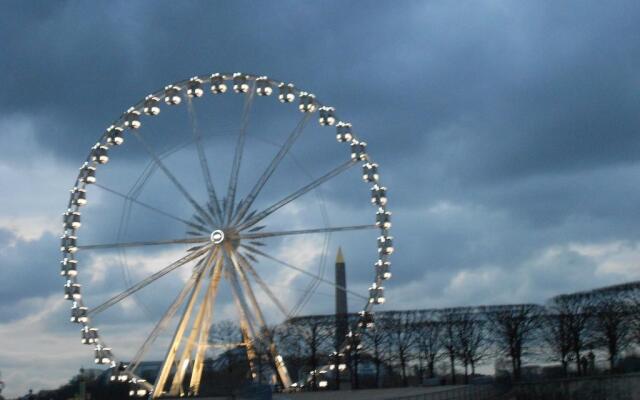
(507, 134)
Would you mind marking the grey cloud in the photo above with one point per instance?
(502, 132)
(29, 269)
(477, 112)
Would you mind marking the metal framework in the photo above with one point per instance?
(227, 235)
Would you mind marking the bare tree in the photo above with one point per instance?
(401, 333)
(429, 344)
(470, 340)
(634, 319)
(264, 362)
(611, 324)
(449, 320)
(555, 334)
(354, 344)
(374, 343)
(513, 328)
(574, 312)
(225, 332)
(315, 332)
(227, 337)
(292, 348)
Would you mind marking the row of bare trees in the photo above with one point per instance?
(605, 321)
(411, 344)
(404, 347)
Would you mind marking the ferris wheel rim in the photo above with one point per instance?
(123, 123)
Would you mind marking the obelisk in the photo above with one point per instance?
(341, 300)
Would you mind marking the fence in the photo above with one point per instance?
(469, 392)
(604, 387)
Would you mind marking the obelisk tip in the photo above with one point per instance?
(339, 257)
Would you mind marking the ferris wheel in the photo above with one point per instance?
(224, 231)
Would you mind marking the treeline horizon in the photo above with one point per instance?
(444, 345)
(571, 330)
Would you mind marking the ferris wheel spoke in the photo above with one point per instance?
(261, 235)
(264, 178)
(148, 280)
(172, 178)
(301, 270)
(204, 165)
(263, 285)
(149, 207)
(237, 158)
(293, 196)
(202, 239)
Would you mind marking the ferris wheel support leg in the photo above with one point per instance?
(247, 340)
(248, 332)
(177, 338)
(205, 328)
(182, 365)
(276, 359)
(160, 326)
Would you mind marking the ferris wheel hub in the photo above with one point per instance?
(217, 236)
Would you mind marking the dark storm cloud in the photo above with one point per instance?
(510, 80)
(506, 132)
(497, 107)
